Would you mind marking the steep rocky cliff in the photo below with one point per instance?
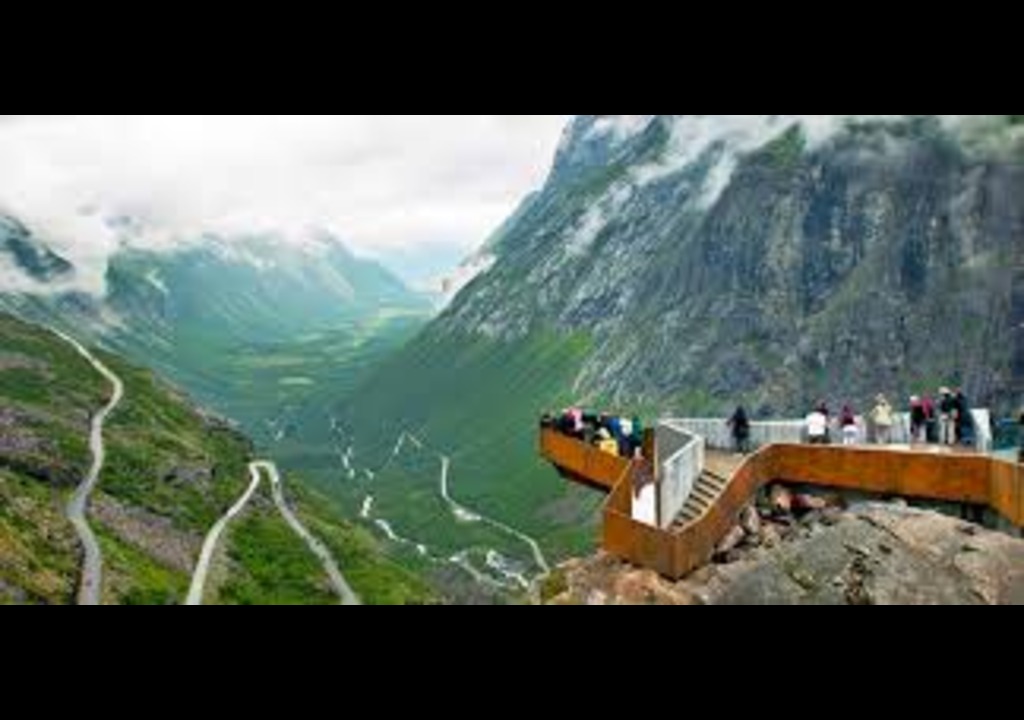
(769, 258)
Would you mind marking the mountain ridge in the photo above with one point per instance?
(794, 234)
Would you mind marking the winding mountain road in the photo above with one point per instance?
(256, 470)
(91, 583)
(341, 586)
(195, 593)
(465, 514)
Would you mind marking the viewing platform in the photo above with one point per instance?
(669, 511)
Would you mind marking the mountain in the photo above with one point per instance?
(757, 261)
(252, 288)
(254, 326)
(23, 254)
(686, 263)
(171, 471)
(257, 327)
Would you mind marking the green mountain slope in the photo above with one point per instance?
(171, 472)
(477, 402)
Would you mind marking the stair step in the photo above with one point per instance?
(716, 481)
(702, 501)
(699, 502)
(705, 493)
(693, 516)
(685, 520)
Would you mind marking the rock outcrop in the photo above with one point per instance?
(872, 554)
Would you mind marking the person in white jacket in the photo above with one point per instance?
(883, 419)
(817, 428)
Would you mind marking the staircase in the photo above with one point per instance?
(705, 494)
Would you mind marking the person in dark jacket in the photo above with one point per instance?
(918, 420)
(638, 436)
(740, 424)
(964, 422)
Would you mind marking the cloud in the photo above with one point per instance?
(693, 137)
(384, 183)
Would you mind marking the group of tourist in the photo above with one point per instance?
(948, 421)
(612, 434)
(819, 424)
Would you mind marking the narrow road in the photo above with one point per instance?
(341, 586)
(256, 470)
(462, 511)
(465, 514)
(462, 514)
(195, 593)
(91, 583)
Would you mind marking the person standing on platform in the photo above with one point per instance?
(883, 418)
(740, 424)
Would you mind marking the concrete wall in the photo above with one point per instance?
(680, 463)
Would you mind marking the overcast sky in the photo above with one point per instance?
(395, 186)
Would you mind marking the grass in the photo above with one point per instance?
(38, 555)
(783, 153)
(270, 565)
(377, 579)
(479, 401)
(556, 584)
(242, 379)
(153, 436)
(133, 578)
(54, 391)
(166, 457)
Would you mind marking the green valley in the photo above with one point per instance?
(476, 401)
(172, 470)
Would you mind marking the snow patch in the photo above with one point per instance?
(593, 222)
(619, 127)
(154, 279)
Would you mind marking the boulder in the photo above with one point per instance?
(781, 499)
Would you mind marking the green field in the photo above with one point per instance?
(270, 565)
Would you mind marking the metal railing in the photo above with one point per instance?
(718, 433)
